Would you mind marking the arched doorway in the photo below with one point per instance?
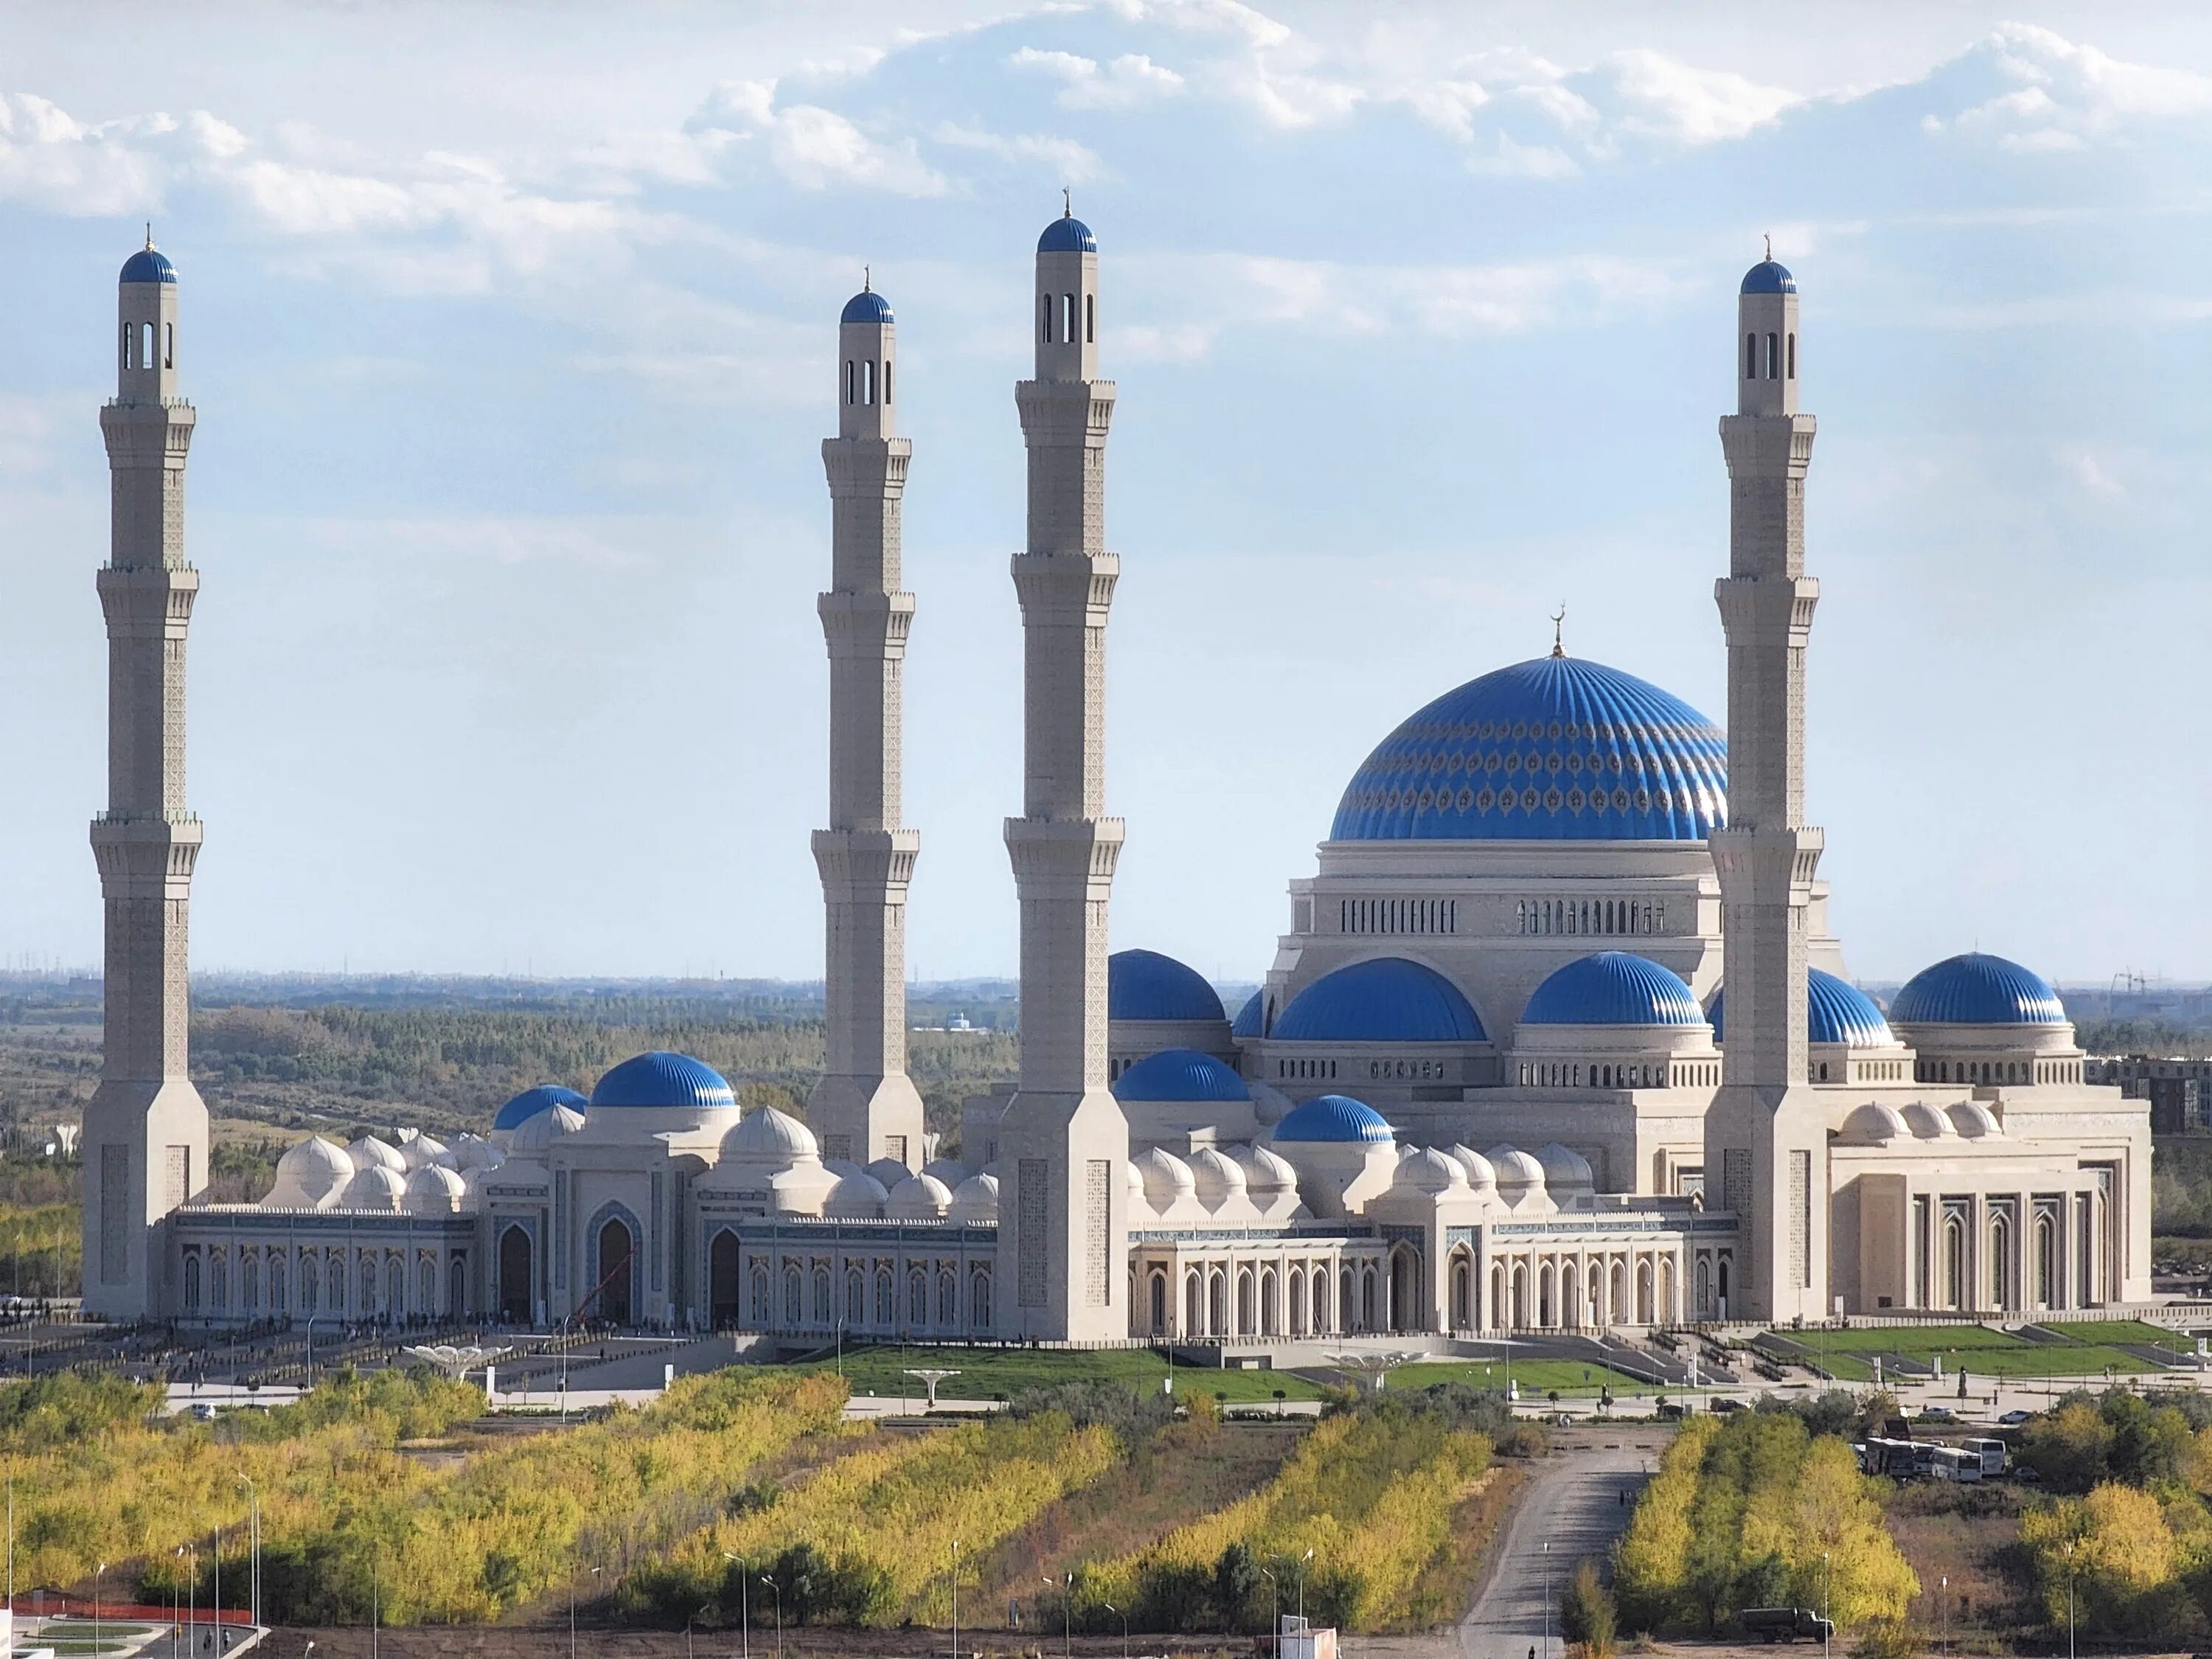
(515, 1276)
(613, 1272)
(1462, 1294)
(1406, 1314)
(1159, 1302)
(722, 1279)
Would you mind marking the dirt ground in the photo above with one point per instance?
(552, 1642)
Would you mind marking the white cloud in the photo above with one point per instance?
(1661, 97)
(1067, 161)
(1130, 79)
(2031, 90)
(815, 147)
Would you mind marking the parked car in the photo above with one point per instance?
(2012, 1419)
(1785, 1623)
(1724, 1403)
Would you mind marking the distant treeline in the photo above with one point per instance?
(2161, 1037)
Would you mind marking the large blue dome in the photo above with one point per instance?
(1180, 1074)
(1836, 1010)
(1067, 234)
(1974, 989)
(1333, 1117)
(1556, 749)
(1145, 985)
(531, 1102)
(1768, 278)
(1388, 999)
(1613, 987)
(148, 265)
(660, 1078)
(867, 307)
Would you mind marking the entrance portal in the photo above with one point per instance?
(515, 1276)
(723, 1282)
(613, 1279)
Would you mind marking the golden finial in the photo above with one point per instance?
(1558, 629)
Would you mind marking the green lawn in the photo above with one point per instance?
(2098, 1332)
(1537, 1377)
(988, 1372)
(1975, 1349)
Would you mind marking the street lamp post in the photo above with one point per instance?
(1827, 1626)
(1275, 1585)
(744, 1607)
(375, 1606)
(1124, 1618)
(956, 1599)
(1067, 1612)
(2069, 1600)
(191, 1551)
(777, 1590)
(1547, 1599)
(96, 1643)
(1304, 1567)
(1943, 1603)
(253, 1547)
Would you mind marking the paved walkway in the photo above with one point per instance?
(1573, 1504)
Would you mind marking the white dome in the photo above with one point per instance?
(370, 1153)
(309, 1173)
(975, 1202)
(475, 1153)
(950, 1170)
(374, 1188)
(1516, 1170)
(918, 1198)
(1875, 1121)
(1219, 1177)
(1166, 1177)
(1265, 1170)
(857, 1196)
(1564, 1168)
(1429, 1171)
(417, 1150)
(1479, 1175)
(541, 1129)
(1974, 1121)
(1926, 1122)
(890, 1171)
(765, 1135)
(1131, 1177)
(433, 1189)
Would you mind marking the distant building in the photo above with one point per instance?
(2179, 1090)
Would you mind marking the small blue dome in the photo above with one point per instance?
(148, 265)
(1333, 1117)
(1974, 989)
(1768, 278)
(1555, 749)
(1388, 999)
(531, 1102)
(1251, 1017)
(1836, 1010)
(867, 307)
(1067, 234)
(660, 1078)
(1145, 985)
(1180, 1074)
(1613, 987)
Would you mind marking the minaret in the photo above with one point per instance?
(1063, 1226)
(1766, 1144)
(146, 1130)
(865, 1107)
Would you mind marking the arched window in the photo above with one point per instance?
(146, 350)
(1045, 320)
(1193, 1311)
(917, 1298)
(395, 1288)
(1462, 1295)
(795, 1309)
(168, 345)
(856, 1298)
(1751, 357)
(277, 1300)
(428, 1277)
(1269, 1324)
(887, 382)
(192, 1283)
(1955, 1263)
(1724, 1278)
(1792, 373)
(1773, 357)
(978, 1300)
(1320, 1277)
(1346, 1307)
(1216, 1303)
(1297, 1302)
(1159, 1296)
(884, 1315)
(310, 1284)
(948, 1300)
(822, 1314)
(1999, 1263)
(2046, 1260)
(1370, 1308)
(1089, 318)
(219, 1282)
(368, 1302)
(760, 1296)
(249, 1281)
(128, 336)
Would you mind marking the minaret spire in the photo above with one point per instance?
(1064, 1143)
(1766, 1147)
(866, 1108)
(145, 1129)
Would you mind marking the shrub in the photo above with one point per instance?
(1588, 1617)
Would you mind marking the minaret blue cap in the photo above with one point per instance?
(1768, 278)
(867, 307)
(149, 264)
(1067, 234)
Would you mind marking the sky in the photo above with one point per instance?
(512, 333)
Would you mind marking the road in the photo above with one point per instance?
(1574, 1504)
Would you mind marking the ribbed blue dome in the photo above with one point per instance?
(660, 1078)
(1836, 1010)
(1768, 278)
(1556, 749)
(867, 307)
(531, 1102)
(1067, 234)
(1180, 1074)
(1251, 1017)
(1388, 999)
(1975, 989)
(1145, 985)
(1333, 1117)
(148, 265)
(1613, 987)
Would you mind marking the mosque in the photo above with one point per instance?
(1559, 917)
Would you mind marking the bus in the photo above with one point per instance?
(1955, 1463)
(1991, 1452)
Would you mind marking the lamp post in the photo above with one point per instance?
(1547, 1599)
(1304, 1562)
(253, 1547)
(96, 1643)
(572, 1608)
(1827, 1626)
(215, 1594)
(1124, 1618)
(956, 1599)
(176, 1615)
(190, 1550)
(1943, 1605)
(375, 1605)
(1274, 1585)
(777, 1589)
(1066, 1588)
(2070, 1598)
(745, 1608)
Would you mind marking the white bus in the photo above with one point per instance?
(1955, 1463)
(1991, 1452)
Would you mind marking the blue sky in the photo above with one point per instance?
(511, 333)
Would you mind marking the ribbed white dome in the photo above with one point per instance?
(1926, 1122)
(541, 1129)
(374, 1188)
(975, 1202)
(1516, 1170)
(433, 1189)
(1564, 1168)
(309, 1173)
(1975, 1121)
(950, 1170)
(417, 1150)
(765, 1135)
(918, 1198)
(1219, 1177)
(1875, 1121)
(858, 1196)
(475, 1153)
(370, 1153)
(1479, 1175)
(1429, 1171)
(1167, 1177)
(890, 1171)
(1266, 1170)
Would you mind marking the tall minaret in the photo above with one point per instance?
(1063, 1226)
(865, 1107)
(1766, 1144)
(146, 1130)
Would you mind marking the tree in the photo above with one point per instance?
(1586, 1615)
(1235, 1579)
(2071, 1447)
